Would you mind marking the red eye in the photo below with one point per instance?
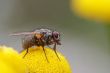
(56, 35)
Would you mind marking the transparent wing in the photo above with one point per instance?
(22, 33)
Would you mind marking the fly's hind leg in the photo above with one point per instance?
(25, 46)
(54, 48)
(25, 53)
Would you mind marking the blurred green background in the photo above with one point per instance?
(84, 43)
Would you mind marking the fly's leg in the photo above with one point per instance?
(43, 43)
(45, 54)
(54, 48)
(26, 53)
(24, 46)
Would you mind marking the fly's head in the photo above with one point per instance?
(56, 37)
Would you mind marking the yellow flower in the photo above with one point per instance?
(12, 60)
(5, 68)
(37, 62)
(98, 10)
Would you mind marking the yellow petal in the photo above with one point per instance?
(37, 62)
(5, 68)
(12, 59)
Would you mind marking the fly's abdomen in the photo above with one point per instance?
(28, 42)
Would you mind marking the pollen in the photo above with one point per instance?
(36, 61)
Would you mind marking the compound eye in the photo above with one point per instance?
(56, 35)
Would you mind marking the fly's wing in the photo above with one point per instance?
(22, 33)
